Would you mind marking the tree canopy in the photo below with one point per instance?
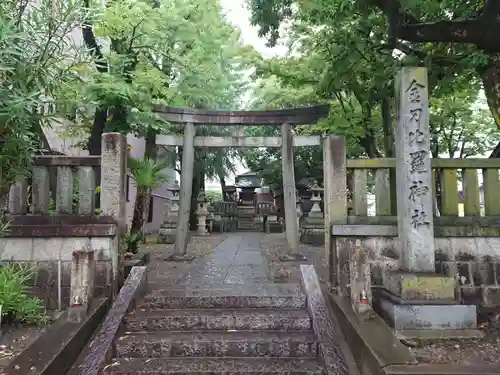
(346, 53)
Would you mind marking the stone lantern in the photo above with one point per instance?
(315, 214)
(202, 213)
(169, 226)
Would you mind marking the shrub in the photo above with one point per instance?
(17, 305)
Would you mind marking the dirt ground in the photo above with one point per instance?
(467, 352)
(464, 352)
(14, 340)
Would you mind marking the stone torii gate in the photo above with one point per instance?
(285, 118)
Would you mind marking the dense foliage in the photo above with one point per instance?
(346, 53)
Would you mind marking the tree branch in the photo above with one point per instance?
(477, 31)
(491, 10)
(470, 31)
(91, 44)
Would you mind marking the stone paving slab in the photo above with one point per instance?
(218, 319)
(236, 260)
(218, 344)
(205, 366)
(236, 290)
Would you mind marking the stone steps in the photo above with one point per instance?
(234, 296)
(218, 344)
(234, 329)
(218, 319)
(210, 366)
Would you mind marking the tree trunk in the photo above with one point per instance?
(491, 83)
(387, 125)
(198, 176)
(149, 153)
(141, 198)
(222, 186)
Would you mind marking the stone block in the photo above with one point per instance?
(313, 236)
(419, 286)
(429, 317)
(167, 235)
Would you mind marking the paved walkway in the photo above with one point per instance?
(237, 260)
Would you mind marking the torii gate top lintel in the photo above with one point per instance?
(294, 116)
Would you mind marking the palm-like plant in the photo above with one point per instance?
(147, 175)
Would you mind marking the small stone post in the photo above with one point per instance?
(360, 277)
(113, 177)
(169, 227)
(335, 199)
(18, 198)
(182, 234)
(202, 214)
(82, 284)
(289, 196)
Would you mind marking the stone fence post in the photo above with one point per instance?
(113, 175)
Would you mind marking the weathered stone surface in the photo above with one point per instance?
(414, 286)
(413, 171)
(429, 316)
(218, 344)
(82, 284)
(226, 366)
(289, 192)
(233, 296)
(208, 319)
(124, 302)
(186, 189)
(360, 278)
(327, 330)
(224, 308)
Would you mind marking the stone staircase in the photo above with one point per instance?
(246, 223)
(260, 329)
(246, 218)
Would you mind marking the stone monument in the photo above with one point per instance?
(415, 297)
(169, 226)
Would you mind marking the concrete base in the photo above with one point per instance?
(429, 317)
(442, 334)
(419, 286)
(179, 258)
(292, 258)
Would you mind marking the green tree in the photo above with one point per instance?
(147, 175)
(36, 58)
(452, 36)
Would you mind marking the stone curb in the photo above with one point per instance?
(378, 351)
(332, 346)
(103, 345)
(59, 346)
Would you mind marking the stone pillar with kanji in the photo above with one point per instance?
(415, 297)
